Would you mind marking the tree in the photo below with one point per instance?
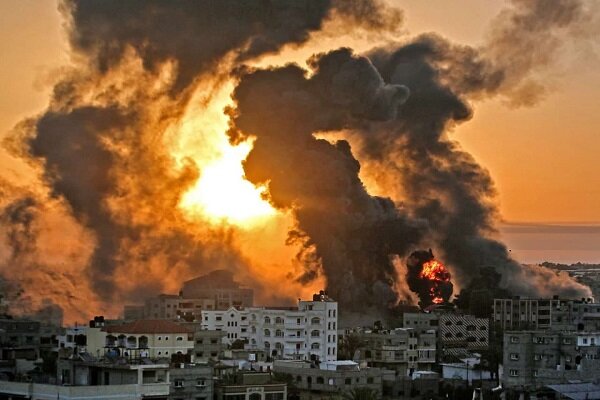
(362, 393)
(348, 346)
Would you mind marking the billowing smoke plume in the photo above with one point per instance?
(447, 198)
(352, 233)
(104, 143)
(105, 146)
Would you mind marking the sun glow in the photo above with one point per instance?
(221, 194)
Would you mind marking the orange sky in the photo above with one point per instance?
(543, 159)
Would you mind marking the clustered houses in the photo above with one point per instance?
(306, 332)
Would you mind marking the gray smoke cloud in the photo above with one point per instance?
(339, 225)
(447, 198)
(101, 142)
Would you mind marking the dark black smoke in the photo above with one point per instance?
(101, 141)
(435, 180)
(350, 232)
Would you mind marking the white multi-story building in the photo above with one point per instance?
(306, 332)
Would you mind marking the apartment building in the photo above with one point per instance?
(141, 339)
(464, 332)
(220, 287)
(533, 359)
(306, 332)
(175, 307)
(329, 378)
(555, 313)
(191, 382)
(404, 350)
(208, 345)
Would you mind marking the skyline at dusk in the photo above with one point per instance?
(158, 142)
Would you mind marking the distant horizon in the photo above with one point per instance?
(564, 243)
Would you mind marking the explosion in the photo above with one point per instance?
(428, 278)
(167, 153)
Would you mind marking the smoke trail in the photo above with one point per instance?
(349, 233)
(431, 176)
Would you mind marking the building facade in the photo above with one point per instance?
(220, 287)
(306, 332)
(555, 313)
(403, 350)
(532, 359)
(191, 382)
(329, 378)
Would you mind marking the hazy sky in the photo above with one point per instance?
(543, 158)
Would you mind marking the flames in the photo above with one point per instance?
(435, 272)
(428, 278)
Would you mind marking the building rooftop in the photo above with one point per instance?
(148, 326)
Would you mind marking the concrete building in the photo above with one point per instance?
(73, 336)
(20, 345)
(403, 350)
(306, 332)
(175, 307)
(535, 314)
(468, 370)
(463, 333)
(141, 339)
(420, 321)
(329, 378)
(208, 345)
(191, 382)
(35, 391)
(532, 359)
(250, 386)
(220, 287)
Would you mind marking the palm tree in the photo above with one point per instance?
(362, 393)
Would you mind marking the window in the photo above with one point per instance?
(567, 341)
(320, 380)
(369, 380)
(279, 333)
(514, 339)
(514, 356)
(267, 332)
(279, 320)
(179, 338)
(315, 333)
(315, 321)
(219, 318)
(267, 320)
(514, 372)
(537, 357)
(178, 383)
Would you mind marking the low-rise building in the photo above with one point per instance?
(141, 339)
(191, 382)
(403, 350)
(321, 380)
(208, 344)
(250, 386)
(532, 359)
